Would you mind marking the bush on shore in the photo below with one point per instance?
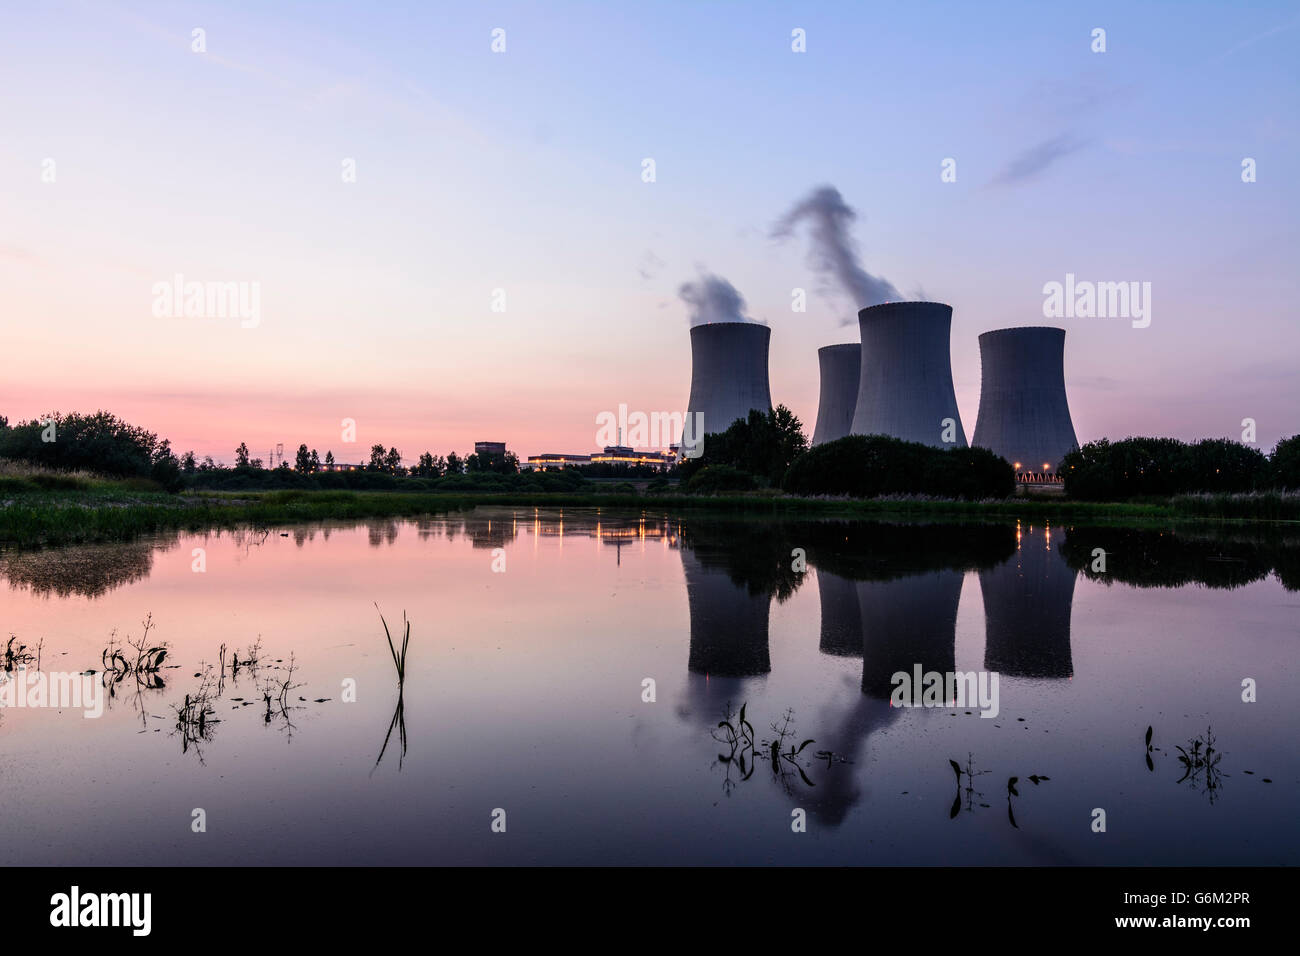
(1134, 467)
(871, 466)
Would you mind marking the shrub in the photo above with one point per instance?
(712, 479)
(869, 466)
(1285, 464)
(1135, 467)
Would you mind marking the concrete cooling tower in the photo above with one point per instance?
(728, 374)
(840, 365)
(1024, 416)
(905, 383)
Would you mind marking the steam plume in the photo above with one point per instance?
(713, 299)
(833, 251)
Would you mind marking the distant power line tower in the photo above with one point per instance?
(279, 453)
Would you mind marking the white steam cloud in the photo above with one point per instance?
(713, 299)
(834, 252)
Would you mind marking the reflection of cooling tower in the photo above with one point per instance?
(1027, 602)
(841, 616)
(840, 365)
(1024, 415)
(905, 384)
(728, 374)
(906, 622)
(728, 624)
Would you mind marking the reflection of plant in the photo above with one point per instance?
(18, 657)
(141, 659)
(971, 793)
(746, 752)
(399, 712)
(969, 796)
(275, 693)
(1150, 764)
(196, 716)
(1200, 760)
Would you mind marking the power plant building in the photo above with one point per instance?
(840, 367)
(728, 376)
(1024, 416)
(905, 380)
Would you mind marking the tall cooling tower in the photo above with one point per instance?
(1024, 415)
(840, 365)
(728, 374)
(905, 383)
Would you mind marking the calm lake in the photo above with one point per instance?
(537, 637)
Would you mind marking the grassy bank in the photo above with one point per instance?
(95, 512)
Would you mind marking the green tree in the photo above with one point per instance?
(393, 461)
(189, 464)
(1285, 464)
(329, 459)
(764, 445)
(455, 464)
(241, 456)
(376, 462)
(314, 463)
(302, 460)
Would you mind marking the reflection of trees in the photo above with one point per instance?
(87, 570)
(756, 555)
(878, 551)
(1173, 559)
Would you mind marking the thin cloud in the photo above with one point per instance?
(1242, 44)
(1036, 160)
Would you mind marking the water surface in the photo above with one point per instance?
(533, 634)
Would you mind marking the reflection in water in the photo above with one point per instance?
(523, 667)
(1226, 559)
(908, 622)
(841, 616)
(728, 622)
(1027, 603)
(89, 570)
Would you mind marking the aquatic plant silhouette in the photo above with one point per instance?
(275, 694)
(140, 659)
(1200, 760)
(399, 712)
(196, 718)
(969, 792)
(19, 657)
(745, 751)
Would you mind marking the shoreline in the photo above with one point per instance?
(58, 518)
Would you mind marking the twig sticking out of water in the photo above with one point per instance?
(399, 713)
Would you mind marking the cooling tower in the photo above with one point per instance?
(905, 383)
(728, 375)
(840, 365)
(1024, 415)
